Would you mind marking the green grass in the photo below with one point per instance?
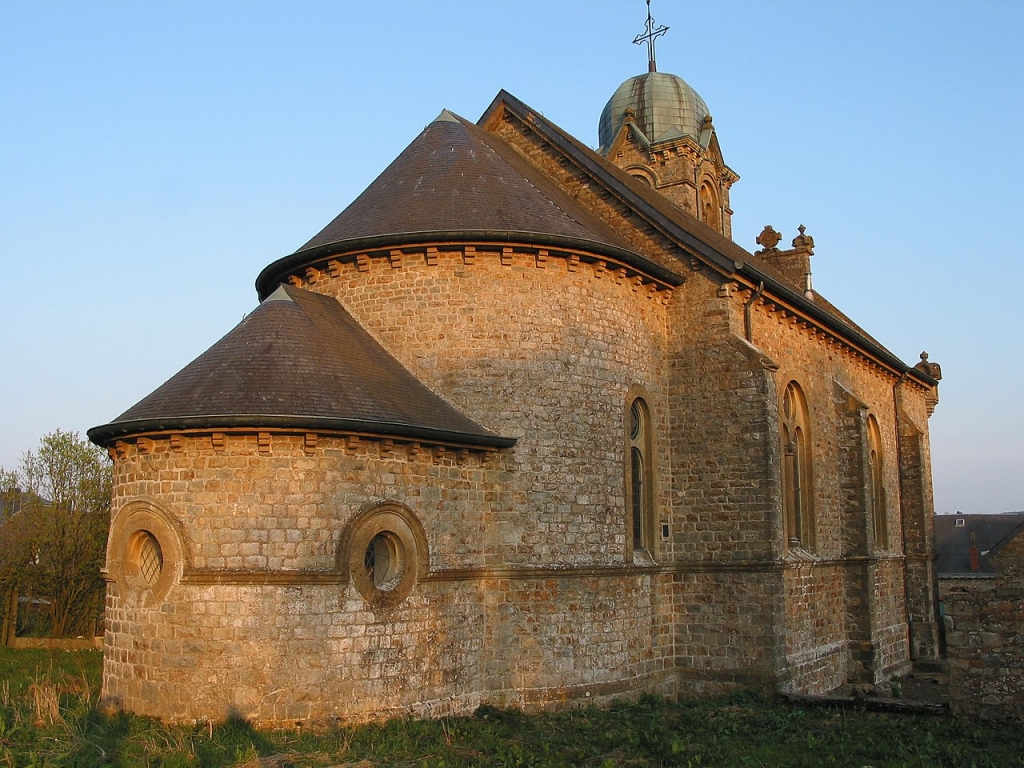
(48, 718)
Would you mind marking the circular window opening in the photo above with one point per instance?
(385, 554)
(384, 561)
(636, 420)
(151, 558)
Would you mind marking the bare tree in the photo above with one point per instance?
(53, 546)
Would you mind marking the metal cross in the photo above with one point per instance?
(649, 36)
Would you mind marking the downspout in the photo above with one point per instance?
(746, 311)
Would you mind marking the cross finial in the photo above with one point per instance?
(652, 32)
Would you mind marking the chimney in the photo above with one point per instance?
(975, 561)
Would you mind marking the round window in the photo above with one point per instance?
(144, 553)
(385, 553)
(384, 561)
(636, 420)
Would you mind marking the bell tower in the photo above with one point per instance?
(658, 129)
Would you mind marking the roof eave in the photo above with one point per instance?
(271, 275)
(801, 302)
(717, 259)
(104, 434)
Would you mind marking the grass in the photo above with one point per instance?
(48, 718)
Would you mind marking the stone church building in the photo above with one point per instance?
(524, 426)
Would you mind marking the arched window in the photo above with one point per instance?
(877, 486)
(798, 496)
(709, 209)
(640, 496)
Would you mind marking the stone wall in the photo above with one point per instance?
(262, 598)
(984, 623)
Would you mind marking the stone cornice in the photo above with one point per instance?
(243, 577)
(305, 267)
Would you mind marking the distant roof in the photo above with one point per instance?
(953, 540)
(455, 182)
(299, 361)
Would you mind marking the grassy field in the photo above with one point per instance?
(48, 718)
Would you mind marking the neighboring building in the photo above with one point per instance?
(524, 426)
(964, 543)
(981, 584)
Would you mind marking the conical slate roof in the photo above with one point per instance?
(455, 181)
(299, 361)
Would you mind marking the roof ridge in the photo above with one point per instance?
(525, 178)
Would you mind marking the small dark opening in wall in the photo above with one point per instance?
(664, 530)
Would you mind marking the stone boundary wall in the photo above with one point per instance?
(984, 621)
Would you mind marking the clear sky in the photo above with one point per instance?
(154, 156)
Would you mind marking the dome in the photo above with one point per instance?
(664, 106)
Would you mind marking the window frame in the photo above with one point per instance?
(639, 472)
(876, 485)
(799, 517)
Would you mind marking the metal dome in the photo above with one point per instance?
(664, 107)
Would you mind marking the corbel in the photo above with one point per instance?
(387, 448)
(469, 255)
(431, 256)
(309, 442)
(177, 442)
(506, 256)
(334, 268)
(363, 262)
(396, 259)
(573, 264)
(352, 443)
(263, 442)
(295, 281)
(312, 275)
(542, 258)
(217, 441)
(600, 267)
(145, 446)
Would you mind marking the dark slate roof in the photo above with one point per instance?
(953, 541)
(299, 361)
(456, 182)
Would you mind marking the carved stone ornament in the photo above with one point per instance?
(932, 369)
(768, 238)
(802, 240)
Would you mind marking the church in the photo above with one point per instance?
(523, 426)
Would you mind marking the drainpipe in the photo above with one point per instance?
(746, 310)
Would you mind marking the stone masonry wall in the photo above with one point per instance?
(842, 388)
(264, 609)
(537, 347)
(984, 623)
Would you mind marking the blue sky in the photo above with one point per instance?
(155, 156)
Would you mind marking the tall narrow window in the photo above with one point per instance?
(709, 210)
(796, 469)
(877, 485)
(640, 494)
